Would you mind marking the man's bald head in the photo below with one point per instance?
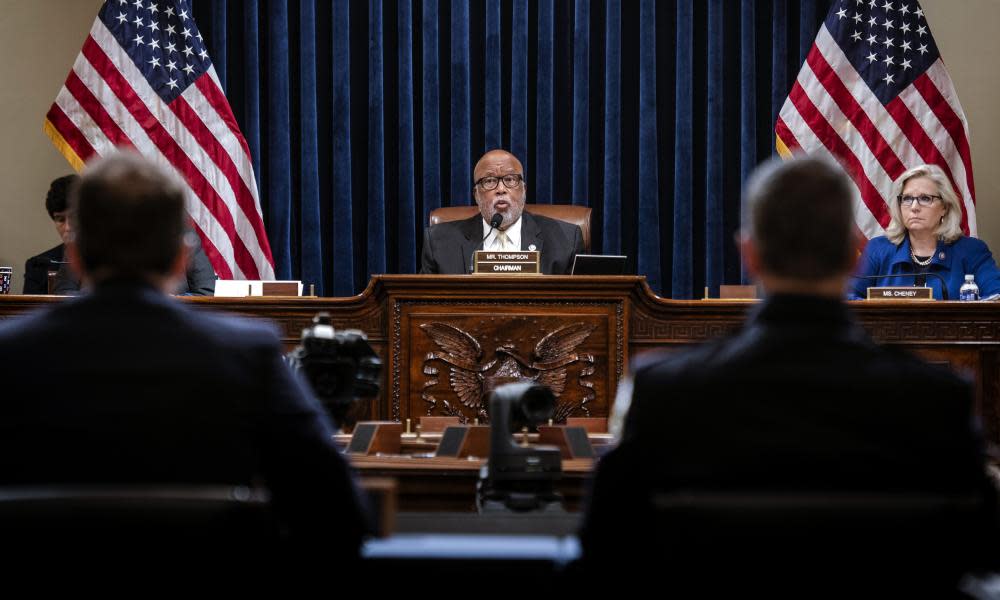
(507, 200)
(493, 157)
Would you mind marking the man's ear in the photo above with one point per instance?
(75, 260)
(178, 269)
(749, 253)
(860, 241)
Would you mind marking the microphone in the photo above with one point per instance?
(944, 285)
(495, 222)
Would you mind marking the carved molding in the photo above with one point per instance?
(397, 317)
(396, 335)
(934, 331)
(371, 322)
(619, 342)
(647, 330)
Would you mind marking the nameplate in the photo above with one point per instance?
(900, 293)
(492, 262)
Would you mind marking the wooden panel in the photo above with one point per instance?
(508, 317)
(458, 351)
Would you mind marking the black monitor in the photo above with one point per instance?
(598, 264)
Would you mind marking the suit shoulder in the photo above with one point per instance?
(660, 366)
(970, 245)
(46, 258)
(901, 363)
(230, 329)
(549, 222)
(880, 244)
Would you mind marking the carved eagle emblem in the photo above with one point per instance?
(548, 363)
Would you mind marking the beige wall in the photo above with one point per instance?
(43, 37)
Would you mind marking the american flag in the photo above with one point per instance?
(144, 81)
(875, 94)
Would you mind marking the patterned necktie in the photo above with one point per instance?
(503, 241)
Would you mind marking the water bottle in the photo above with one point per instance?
(969, 291)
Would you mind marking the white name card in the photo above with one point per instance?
(900, 293)
(239, 288)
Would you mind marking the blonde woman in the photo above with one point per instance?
(925, 236)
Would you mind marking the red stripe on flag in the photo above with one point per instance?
(218, 262)
(828, 136)
(951, 121)
(221, 158)
(848, 105)
(96, 110)
(68, 129)
(919, 139)
(782, 131)
(171, 150)
(217, 100)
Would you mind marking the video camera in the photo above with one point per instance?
(519, 478)
(341, 366)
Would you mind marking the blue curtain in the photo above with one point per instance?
(362, 116)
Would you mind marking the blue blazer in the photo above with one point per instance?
(964, 256)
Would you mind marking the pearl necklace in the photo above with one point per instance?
(922, 263)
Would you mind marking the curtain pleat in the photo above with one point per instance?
(544, 133)
(807, 28)
(376, 144)
(406, 201)
(581, 102)
(362, 117)
(218, 31)
(714, 155)
(431, 117)
(461, 142)
(748, 103)
(612, 129)
(277, 177)
(519, 82)
(493, 123)
(310, 216)
(649, 201)
(251, 90)
(344, 281)
(683, 241)
(779, 57)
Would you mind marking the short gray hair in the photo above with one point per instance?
(950, 228)
(800, 215)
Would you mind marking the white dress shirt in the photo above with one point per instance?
(513, 233)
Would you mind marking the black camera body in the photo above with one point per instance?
(340, 366)
(520, 478)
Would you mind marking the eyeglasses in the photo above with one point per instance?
(511, 181)
(921, 200)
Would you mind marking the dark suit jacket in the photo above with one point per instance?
(36, 270)
(126, 385)
(448, 247)
(800, 399)
(200, 279)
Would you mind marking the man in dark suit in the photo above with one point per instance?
(125, 385)
(36, 269)
(799, 401)
(499, 188)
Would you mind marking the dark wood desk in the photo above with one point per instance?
(449, 484)
(430, 330)
(576, 332)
